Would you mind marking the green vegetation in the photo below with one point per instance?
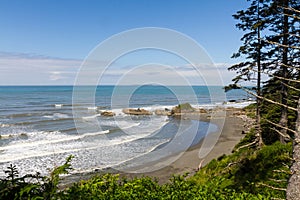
(262, 172)
(256, 171)
(185, 106)
(32, 186)
(245, 174)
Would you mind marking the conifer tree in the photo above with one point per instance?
(253, 23)
(282, 55)
(273, 53)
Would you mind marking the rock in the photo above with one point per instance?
(165, 112)
(187, 109)
(131, 111)
(23, 136)
(183, 108)
(201, 110)
(108, 113)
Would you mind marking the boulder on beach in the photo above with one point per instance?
(108, 113)
(131, 111)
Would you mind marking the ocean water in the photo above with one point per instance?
(41, 125)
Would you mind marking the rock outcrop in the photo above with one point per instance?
(182, 108)
(186, 108)
(165, 112)
(131, 111)
(108, 113)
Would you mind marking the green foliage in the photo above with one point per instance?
(251, 110)
(186, 107)
(242, 175)
(111, 187)
(249, 137)
(32, 186)
(272, 112)
(250, 171)
(231, 87)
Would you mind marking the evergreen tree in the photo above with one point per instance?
(282, 56)
(253, 22)
(270, 47)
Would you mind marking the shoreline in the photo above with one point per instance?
(230, 128)
(230, 135)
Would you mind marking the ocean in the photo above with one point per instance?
(39, 128)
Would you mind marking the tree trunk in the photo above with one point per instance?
(258, 100)
(293, 189)
(284, 73)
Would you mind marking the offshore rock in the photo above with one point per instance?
(165, 112)
(108, 114)
(131, 111)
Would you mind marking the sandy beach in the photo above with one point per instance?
(229, 133)
(231, 123)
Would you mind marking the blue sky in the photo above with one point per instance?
(44, 42)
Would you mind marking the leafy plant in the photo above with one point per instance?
(32, 186)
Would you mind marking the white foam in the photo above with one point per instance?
(20, 152)
(4, 125)
(118, 111)
(57, 116)
(91, 117)
(50, 140)
(159, 107)
(92, 108)
(145, 153)
(123, 126)
(58, 105)
(239, 104)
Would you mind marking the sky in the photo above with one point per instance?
(45, 42)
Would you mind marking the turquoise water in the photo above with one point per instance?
(38, 126)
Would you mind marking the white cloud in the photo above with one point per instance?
(204, 74)
(29, 69)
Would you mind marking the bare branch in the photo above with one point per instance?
(284, 164)
(293, 16)
(289, 66)
(231, 164)
(283, 135)
(268, 100)
(282, 171)
(278, 181)
(281, 45)
(298, 36)
(274, 188)
(290, 8)
(247, 145)
(279, 77)
(282, 127)
(291, 88)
